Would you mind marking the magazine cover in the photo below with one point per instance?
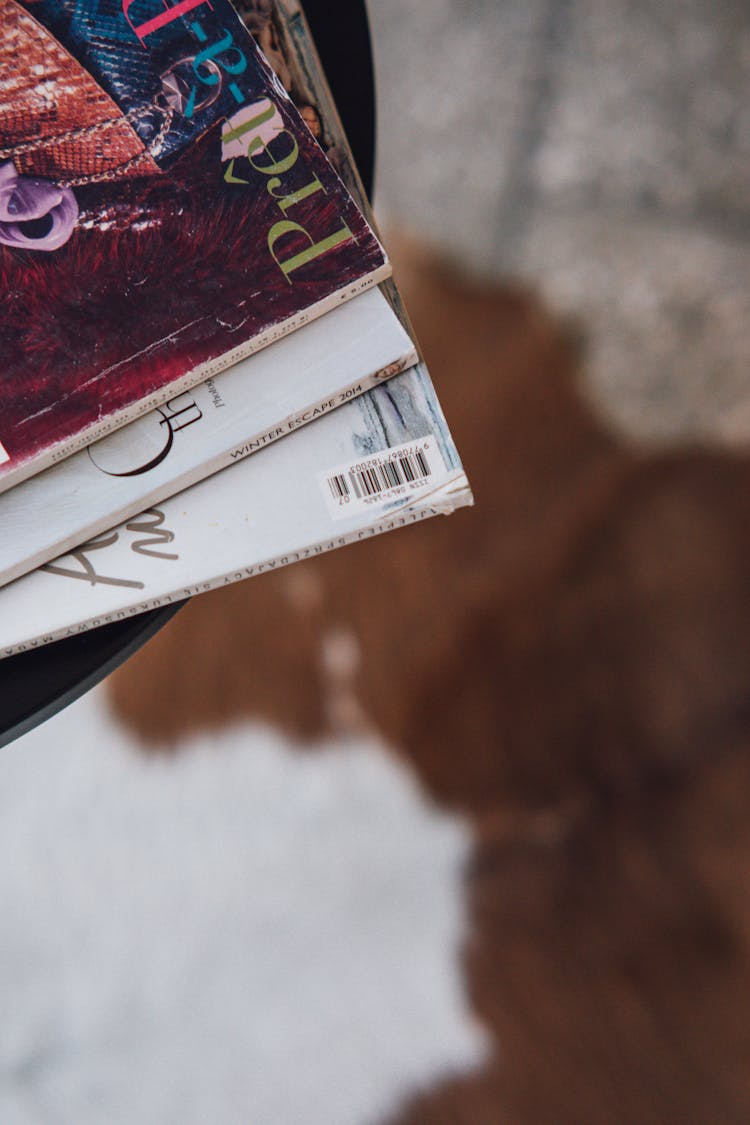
(378, 463)
(261, 399)
(164, 211)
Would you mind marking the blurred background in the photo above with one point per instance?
(268, 874)
(599, 152)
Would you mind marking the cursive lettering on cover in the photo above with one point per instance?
(87, 572)
(149, 523)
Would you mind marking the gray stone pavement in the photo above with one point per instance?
(599, 151)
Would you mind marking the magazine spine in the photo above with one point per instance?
(214, 464)
(13, 475)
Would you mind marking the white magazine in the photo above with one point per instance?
(380, 462)
(238, 412)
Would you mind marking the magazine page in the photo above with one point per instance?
(164, 212)
(380, 462)
(259, 400)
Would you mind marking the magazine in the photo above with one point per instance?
(241, 410)
(164, 212)
(369, 467)
(382, 461)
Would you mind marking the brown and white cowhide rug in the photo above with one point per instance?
(249, 932)
(533, 908)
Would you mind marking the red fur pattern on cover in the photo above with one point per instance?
(66, 314)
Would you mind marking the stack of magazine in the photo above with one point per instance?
(207, 372)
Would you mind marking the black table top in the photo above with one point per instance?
(36, 684)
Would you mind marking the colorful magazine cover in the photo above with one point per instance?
(164, 212)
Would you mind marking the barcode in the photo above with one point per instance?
(376, 479)
(401, 475)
